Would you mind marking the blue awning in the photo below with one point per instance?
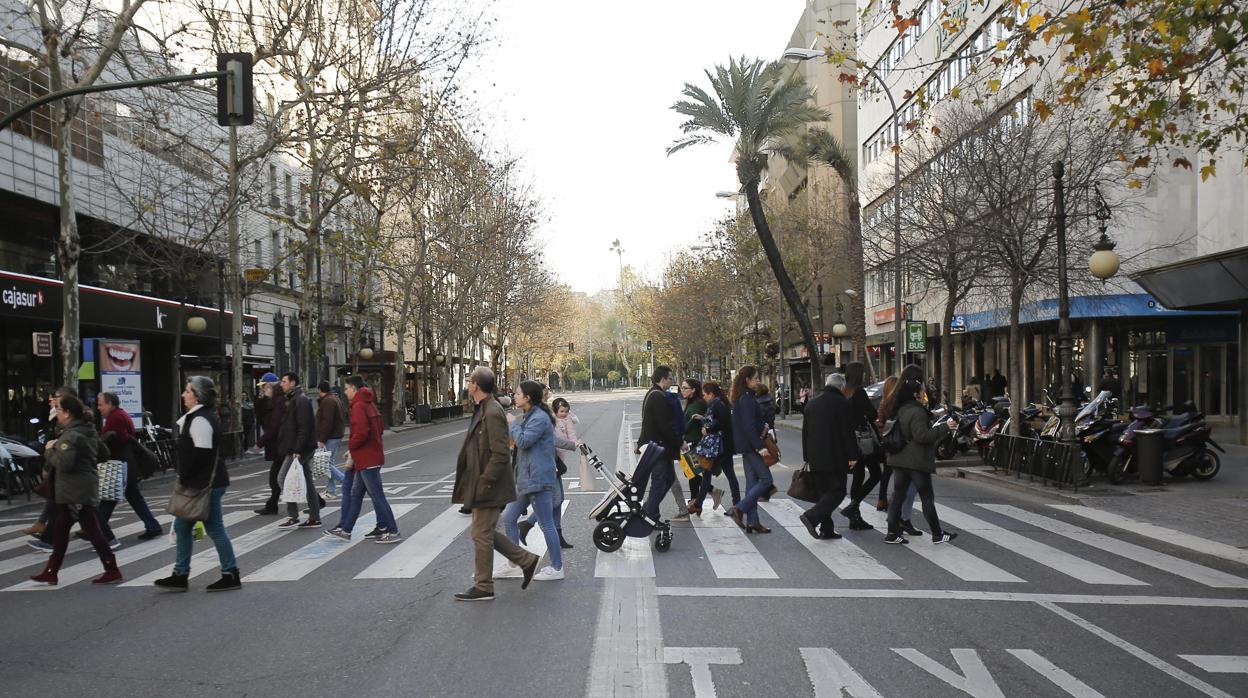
(1118, 305)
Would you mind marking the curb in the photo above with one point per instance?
(984, 474)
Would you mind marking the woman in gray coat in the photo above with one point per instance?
(915, 463)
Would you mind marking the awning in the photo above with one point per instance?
(1212, 282)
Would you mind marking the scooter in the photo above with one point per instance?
(1186, 445)
(988, 424)
(961, 439)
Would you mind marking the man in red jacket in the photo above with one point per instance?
(364, 467)
(117, 433)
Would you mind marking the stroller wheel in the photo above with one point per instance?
(608, 536)
(663, 541)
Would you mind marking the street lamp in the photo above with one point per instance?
(1104, 262)
(797, 55)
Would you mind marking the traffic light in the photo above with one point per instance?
(649, 345)
(235, 97)
(571, 348)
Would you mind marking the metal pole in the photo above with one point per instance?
(322, 362)
(236, 291)
(783, 378)
(1067, 408)
(898, 328)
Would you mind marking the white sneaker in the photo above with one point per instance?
(548, 574)
(508, 571)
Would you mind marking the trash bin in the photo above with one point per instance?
(1149, 444)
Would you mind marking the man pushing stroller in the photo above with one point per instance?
(657, 426)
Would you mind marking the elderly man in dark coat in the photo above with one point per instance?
(829, 448)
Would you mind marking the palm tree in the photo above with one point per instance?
(758, 107)
(819, 146)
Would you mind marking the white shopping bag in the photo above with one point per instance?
(293, 488)
(112, 478)
(320, 464)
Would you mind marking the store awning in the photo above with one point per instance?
(1212, 282)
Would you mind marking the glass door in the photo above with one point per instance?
(1183, 376)
(1212, 378)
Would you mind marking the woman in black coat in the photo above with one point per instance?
(718, 420)
(866, 473)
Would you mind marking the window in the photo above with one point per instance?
(273, 203)
(289, 190)
(275, 248)
(255, 252)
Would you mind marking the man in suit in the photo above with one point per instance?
(658, 425)
(485, 483)
(829, 448)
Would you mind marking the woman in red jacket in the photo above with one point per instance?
(364, 467)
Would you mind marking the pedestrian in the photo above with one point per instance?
(678, 423)
(888, 403)
(536, 476)
(41, 528)
(271, 389)
(362, 473)
(118, 435)
(747, 432)
(73, 456)
(999, 383)
(247, 412)
(717, 445)
(766, 404)
(695, 413)
(329, 430)
(565, 452)
(484, 484)
(658, 427)
(866, 473)
(201, 464)
(916, 462)
(296, 440)
(829, 450)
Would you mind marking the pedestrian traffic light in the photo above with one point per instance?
(649, 345)
(235, 97)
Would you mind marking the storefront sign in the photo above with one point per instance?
(887, 315)
(957, 325)
(1114, 305)
(120, 363)
(916, 337)
(42, 343)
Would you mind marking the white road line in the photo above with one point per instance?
(633, 560)
(700, 660)
(1059, 676)
(396, 449)
(1075, 567)
(833, 676)
(1218, 663)
(627, 659)
(33, 557)
(729, 550)
(5, 530)
(1145, 556)
(317, 553)
(842, 557)
(134, 553)
(1150, 659)
(951, 558)
(413, 555)
(1158, 533)
(206, 560)
(975, 679)
(952, 595)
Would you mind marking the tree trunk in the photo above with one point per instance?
(399, 411)
(68, 247)
(857, 277)
(1015, 363)
(782, 278)
(946, 348)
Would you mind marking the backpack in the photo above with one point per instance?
(894, 441)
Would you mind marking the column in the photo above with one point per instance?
(1243, 373)
(1094, 352)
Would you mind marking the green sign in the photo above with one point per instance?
(916, 337)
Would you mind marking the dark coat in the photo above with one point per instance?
(196, 465)
(77, 451)
(483, 475)
(297, 435)
(693, 427)
(920, 452)
(723, 422)
(767, 407)
(329, 419)
(657, 424)
(272, 424)
(747, 424)
(828, 442)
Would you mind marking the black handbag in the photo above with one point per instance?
(145, 462)
(894, 441)
(803, 486)
(560, 468)
(868, 442)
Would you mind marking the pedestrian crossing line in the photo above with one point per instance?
(317, 553)
(1159, 533)
(842, 557)
(206, 560)
(634, 560)
(34, 557)
(413, 555)
(139, 551)
(729, 551)
(537, 541)
(1046, 555)
(5, 530)
(1145, 556)
(951, 558)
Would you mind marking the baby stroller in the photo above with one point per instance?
(619, 514)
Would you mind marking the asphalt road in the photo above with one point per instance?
(1031, 600)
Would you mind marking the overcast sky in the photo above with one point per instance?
(581, 92)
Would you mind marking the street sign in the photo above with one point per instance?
(43, 343)
(252, 275)
(916, 336)
(957, 325)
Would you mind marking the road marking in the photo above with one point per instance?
(1048, 556)
(951, 558)
(700, 660)
(134, 553)
(1218, 663)
(32, 557)
(1158, 533)
(1151, 659)
(413, 555)
(319, 552)
(537, 544)
(1059, 676)
(401, 466)
(633, 560)
(729, 550)
(831, 675)
(952, 595)
(975, 679)
(396, 449)
(5, 530)
(627, 659)
(842, 557)
(1145, 556)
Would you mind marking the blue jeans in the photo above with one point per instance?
(556, 502)
(353, 499)
(907, 506)
(544, 508)
(335, 473)
(757, 482)
(215, 526)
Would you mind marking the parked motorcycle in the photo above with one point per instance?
(961, 439)
(1186, 439)
(988, 425)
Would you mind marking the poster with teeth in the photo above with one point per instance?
(119, 362)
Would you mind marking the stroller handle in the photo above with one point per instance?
(585, 449)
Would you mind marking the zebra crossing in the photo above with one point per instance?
(999, 544)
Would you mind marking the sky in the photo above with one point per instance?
(581, 91)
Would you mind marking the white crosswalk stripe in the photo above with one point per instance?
(1048, 556)
(1159, 533)
(415, 553)
(536, 541)
(312, 556)
(1145, 556)
(728, 548)
(952, 558)
(75, 546)
(842, 557)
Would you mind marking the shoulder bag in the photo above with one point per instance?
(803, 486)
(191, 503)
(868, 442)
(894, 441)
(772, 456)
(145, 462)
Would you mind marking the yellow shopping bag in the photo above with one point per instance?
(690, 466)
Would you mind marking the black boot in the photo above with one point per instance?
(563, 543)
(228, 582)
(525, 527)
(174, 582)
(909, 529)
(856, 522)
